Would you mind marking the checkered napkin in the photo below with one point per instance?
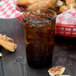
(68, 17)
(8, 9)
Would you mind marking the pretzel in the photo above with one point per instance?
(7, 43)
(60, 3)
(4, 37)
(43, 4)
(71, 3)
(63, 8)
(57, 70)
(26, 2)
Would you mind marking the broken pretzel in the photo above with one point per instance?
(7, 43)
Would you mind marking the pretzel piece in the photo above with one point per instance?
(26, 2)
(71, 3)
(7, 43)
(43, 4)
(57, 70)
(63, 8)
(60, 3)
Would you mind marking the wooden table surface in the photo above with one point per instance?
(15, 64)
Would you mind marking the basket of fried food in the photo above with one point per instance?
(57, 5)
(66, 14)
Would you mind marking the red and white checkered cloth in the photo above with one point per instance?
(8, 9)
(68, 17)
(66, 23)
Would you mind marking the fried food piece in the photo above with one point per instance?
(71, 3)
(4, 37)
(7, 43)
(60, 3)
(43, 4)
(26, 2)
(57, 70)
(63, 8)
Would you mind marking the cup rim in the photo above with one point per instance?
(43, 9)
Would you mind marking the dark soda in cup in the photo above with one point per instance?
(39, 30)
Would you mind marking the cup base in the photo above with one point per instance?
(40, 65)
